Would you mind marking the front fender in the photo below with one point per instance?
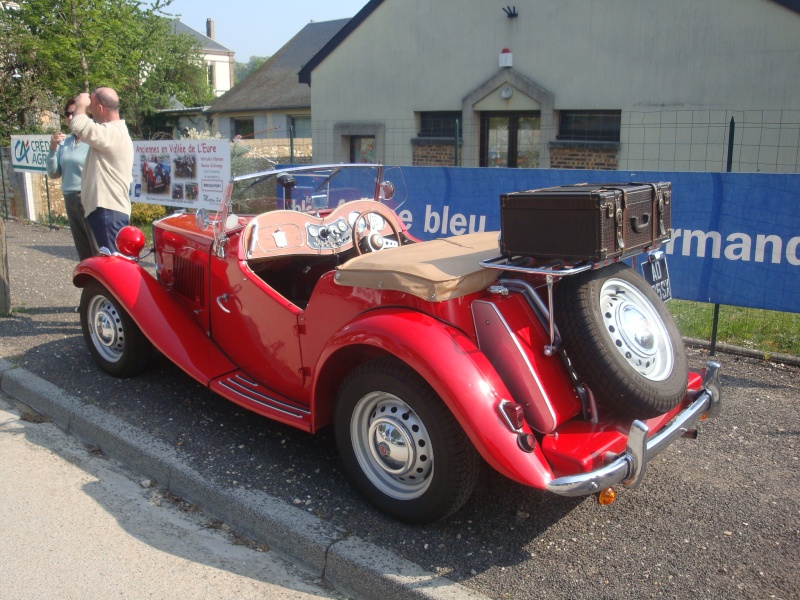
(170, 328)
(459, 373)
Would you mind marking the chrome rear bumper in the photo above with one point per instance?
(629, 467)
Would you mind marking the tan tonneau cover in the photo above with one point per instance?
(438, 270)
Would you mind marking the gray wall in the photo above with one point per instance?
(677, 60)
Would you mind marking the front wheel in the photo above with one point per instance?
(400, 444)
(623, 341)
(115, 342)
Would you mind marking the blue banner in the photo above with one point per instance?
(736, 236)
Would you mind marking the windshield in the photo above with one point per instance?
(316, 189)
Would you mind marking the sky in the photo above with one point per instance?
(259, 27)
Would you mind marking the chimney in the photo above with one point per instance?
(210, 28)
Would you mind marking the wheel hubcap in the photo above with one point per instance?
(392, 445)
(636, 329)
(105, 328)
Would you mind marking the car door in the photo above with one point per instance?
(254, 325)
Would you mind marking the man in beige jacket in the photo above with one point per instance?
(107, 173)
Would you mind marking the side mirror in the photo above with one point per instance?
(386, 190)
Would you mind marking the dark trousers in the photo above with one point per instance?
(82, 234)
(105, 224)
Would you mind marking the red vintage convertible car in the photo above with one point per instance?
(306, 300)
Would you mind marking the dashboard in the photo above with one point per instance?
(283, 232)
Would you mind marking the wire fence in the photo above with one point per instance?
(680, 140)
(766, 141)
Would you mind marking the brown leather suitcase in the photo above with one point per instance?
(585, 222)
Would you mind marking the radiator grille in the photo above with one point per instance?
(189, 280)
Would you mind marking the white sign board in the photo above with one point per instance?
(28, 152)
(186, 173)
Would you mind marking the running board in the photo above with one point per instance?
(241, 389)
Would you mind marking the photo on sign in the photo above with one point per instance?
(155, 173)
(185, 166)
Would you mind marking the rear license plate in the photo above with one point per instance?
(654, 270)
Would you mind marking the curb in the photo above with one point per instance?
(350, 564)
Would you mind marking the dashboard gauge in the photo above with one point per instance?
(376, 221)
(362, 223)
(342, 225)
(313, 230)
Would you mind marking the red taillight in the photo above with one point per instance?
(512, 414)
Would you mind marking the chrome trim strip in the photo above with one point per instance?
(493, 348)
(238, 388)
(629, 467)
(305, 168)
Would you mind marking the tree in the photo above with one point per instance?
(242, 70)
(77, 45)
(20, 92)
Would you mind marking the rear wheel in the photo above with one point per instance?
(623, 341)
(114, 340)
(400, 444)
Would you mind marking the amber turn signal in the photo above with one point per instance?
(607, 496)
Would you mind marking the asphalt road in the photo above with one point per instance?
(718, 517)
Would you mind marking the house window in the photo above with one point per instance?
(362, 149)
(589, 125)
(244, 127)
(439, 124)
(210, 75)
(300, 126)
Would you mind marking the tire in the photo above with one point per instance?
(115, 342)
(638, 376)
(421, 482)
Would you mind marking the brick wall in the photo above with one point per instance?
(599, 156)
(433, 152)
(278, 149)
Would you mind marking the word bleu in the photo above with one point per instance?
(445, 223)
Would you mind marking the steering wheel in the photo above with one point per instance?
(375, 240)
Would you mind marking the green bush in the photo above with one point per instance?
(142, 215)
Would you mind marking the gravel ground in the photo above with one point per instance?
(716, 517)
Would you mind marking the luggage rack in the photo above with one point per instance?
(551, 270)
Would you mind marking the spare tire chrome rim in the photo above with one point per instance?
(636, 329)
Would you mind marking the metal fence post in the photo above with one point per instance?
(715, 321)
(458, 135)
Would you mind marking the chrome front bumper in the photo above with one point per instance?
(629, 467)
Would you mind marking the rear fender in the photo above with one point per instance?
(454, 367)
(164, 321)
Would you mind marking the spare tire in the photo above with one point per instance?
(622, 340)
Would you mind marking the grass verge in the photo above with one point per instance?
(764, 330)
